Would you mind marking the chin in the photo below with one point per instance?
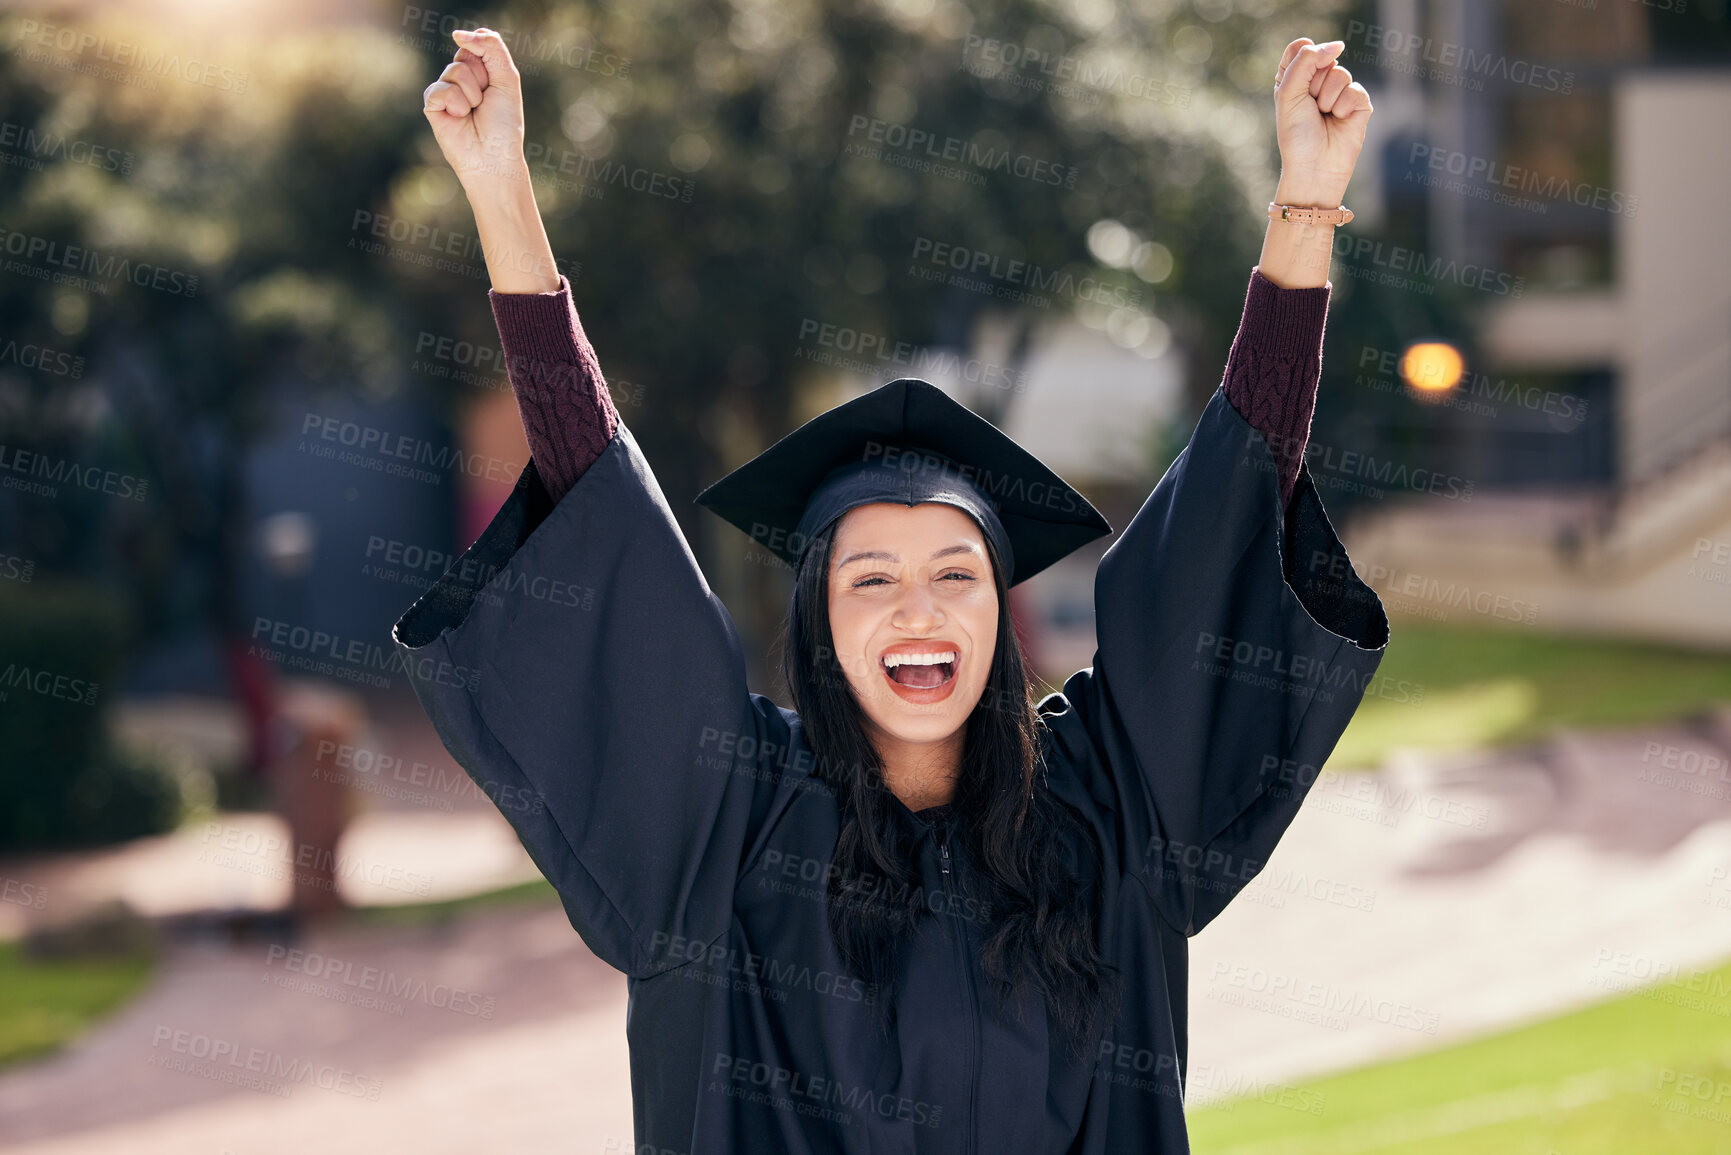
(915, 722)
(906, 726)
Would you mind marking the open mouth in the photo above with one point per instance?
(921, 671)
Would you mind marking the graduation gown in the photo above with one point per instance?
(577, 665)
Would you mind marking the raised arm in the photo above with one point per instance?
(1276, 359)
(574, 661)
(1235, 640)
(476, 112)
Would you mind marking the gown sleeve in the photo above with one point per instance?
(1235, 642)
(577, 666)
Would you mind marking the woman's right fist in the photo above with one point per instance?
(476, 109)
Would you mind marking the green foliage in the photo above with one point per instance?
(60, 784)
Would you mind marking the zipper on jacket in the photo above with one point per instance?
(960, 938)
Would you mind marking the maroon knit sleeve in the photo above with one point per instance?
(1272, 371)
(561, 395)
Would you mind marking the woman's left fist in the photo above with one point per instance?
(1320, 115)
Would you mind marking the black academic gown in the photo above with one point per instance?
(578, 667)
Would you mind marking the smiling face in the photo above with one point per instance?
(913, 614)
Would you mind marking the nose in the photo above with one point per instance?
(917, 610)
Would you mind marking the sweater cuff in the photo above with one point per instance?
(1286, 324)
(539, 328)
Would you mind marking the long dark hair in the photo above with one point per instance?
(1037, 916)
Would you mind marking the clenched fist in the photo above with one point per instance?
(1320, 118)
(476, 110)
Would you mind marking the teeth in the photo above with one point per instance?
(894, 660)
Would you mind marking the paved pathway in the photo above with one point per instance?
(1447, 898)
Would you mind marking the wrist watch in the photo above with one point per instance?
(1295, 214)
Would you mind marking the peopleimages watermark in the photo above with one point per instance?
(1368, 259)
(27, 147)
(815, 1096)
(1299, 673)
(339, 980)
(1414, 593)
(20, 893)
(1485, 175)
(1443, 61)
(998, 487)
(395, 454)
(1705, 772)
(487, 367)
(763, 976)
(1012, 280)
(1226, 1090)
(925, 150)
(803, 876)
(1321, 1003)
(528, 50)
(845, 347)
(578, 172)
(1370, 797)
(255, 1068)
(16, 569)
(353, 659)
(1199, 867)
(392, 560)
(46, 684)
(46, 473)
(1138, 1068)
(42, 359)
(122, 61)
(1710, 561)
(446, 250)
(1718, 893)
(56, 262)
(1464, 394)
(1062, 74)
(1273, 887)
(1355, 469)
(1700, 1096)
(377, 772)
(1662, 980)
(761, 760)
(248, 850)
(1156, 1073)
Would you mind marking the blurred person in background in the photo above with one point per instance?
(924, 911)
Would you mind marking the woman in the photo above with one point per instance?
(924, 912)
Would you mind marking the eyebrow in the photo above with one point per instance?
(881, 555)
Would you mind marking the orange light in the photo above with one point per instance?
(1432, 366)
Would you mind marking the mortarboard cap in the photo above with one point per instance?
(906, 442)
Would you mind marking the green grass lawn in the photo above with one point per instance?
(445, 909)
(1500, 687)
(1646, 1072)
(44, 1004)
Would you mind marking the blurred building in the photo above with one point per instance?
(1581, 151)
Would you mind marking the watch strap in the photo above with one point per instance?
(1299, 215)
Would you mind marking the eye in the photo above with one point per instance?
(870, 579)
(964, 575)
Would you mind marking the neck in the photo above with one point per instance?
(921, 774)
